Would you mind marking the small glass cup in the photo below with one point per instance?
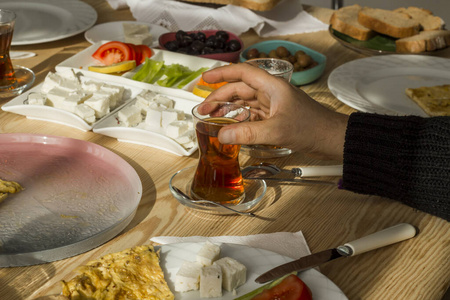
(218, 176)
(8, 79)
(279, 68)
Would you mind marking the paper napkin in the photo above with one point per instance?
(288, 17)
(290, 244)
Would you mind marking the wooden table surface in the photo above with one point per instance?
(415, 269)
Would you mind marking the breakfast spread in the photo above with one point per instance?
(210, 274)
(8, 187)
(434, 100)
(414, 29)
(130, 274)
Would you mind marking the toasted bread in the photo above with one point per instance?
(260, 5)
(394, 24)
(345, 20)
(424, 41)
(425, 17)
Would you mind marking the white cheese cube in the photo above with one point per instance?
(143, 103)
(91, 86)
(211, 282)
(188, 277)
(56, 97)
(164, 101)
(69, 74)
(186, 137)
(139, 39)
(170, 115)
(130, 116)
(85, 112)
(51, 81)
(176, 129)
(36, 99)
(154, 116)
(99, 104)
(234, 273)
(147, 95)
(71, 102)
(208, 254)
(116, 93)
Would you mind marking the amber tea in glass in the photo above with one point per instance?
(7, 78)
(218, 176)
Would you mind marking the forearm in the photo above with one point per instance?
(403, 158)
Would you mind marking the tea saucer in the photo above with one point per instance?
(25, 79)
(254, 193)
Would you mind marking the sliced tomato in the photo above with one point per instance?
(290, 288)
(146, 53)
(114, 52)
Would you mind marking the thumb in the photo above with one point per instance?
(242, 134)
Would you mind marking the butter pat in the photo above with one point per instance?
(188, 277)
(130, 116)
(208, 254)
(234, 273)
(211, 282)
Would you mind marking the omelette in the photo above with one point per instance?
(8, 187)
(130, 274)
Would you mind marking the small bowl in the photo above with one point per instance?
(226, 56)
(300, 77)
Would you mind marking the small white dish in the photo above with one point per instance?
(256, 260)
(113, 31)
(254, 193)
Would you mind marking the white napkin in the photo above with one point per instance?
(118, 4)
(288, 17)
(290, 244)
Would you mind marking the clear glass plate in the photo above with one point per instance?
(254, 193)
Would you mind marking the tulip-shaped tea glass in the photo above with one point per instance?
(13, 79)
(218, 176)
(279, 68)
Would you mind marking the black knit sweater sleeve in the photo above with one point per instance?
(402, 158)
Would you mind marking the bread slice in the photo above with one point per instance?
(434, 100)
(424, 41)
(391, 23)
(345, 20)
(259, 5)
(425, 17)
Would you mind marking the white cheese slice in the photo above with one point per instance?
(154, 116)
(234, 273)
(85, 112)
(116, 93)
(211, 282)
(130, 116)
(100, 104)
(175, 129)
(186, 137)
(36, 99)
(164, 101)
(208, 254)
(139, 39)
(188, 277)
(170, 115)
(133, 28)
(91, 86)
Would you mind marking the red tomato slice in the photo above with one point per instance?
(138, 52)
(146, 53)
(114, 52)
(290, 288)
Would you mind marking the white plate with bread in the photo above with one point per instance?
(373, 31)
(378, 84)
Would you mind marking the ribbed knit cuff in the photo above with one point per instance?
(403, 158)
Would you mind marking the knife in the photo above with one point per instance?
(385, 237)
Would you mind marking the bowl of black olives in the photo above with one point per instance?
(214, 44)
(308, 64)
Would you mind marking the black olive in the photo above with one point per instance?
(186, 41)
(172, 45)
(183, 50)
(180, 34)
(193, 35)
(210, 41)
(207, 50)
(197, 45)
(222, 34)
(201, 36)
(233, 45)
(193, 52)
(219, 44)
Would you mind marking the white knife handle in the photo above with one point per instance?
(382, 238)
(321, 171)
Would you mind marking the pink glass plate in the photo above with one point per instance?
(77, 195)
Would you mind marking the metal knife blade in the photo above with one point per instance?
(388, 236)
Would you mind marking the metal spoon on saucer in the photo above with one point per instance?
(212, 202)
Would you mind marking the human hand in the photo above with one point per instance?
(282, 114)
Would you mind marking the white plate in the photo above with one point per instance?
(77, 195)
(49, 20)
(377, 84)
(257, 262)
(113, 31)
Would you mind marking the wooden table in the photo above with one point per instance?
(415, 269)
